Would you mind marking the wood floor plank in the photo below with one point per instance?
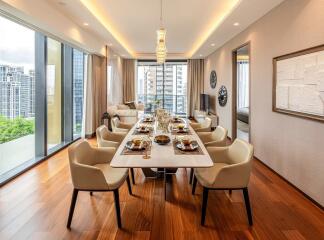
(35, 206)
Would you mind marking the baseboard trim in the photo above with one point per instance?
(317, 204)
(89, 136)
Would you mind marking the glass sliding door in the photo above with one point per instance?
(17, 96)
(163, 86)
(54, 93)
(78, 90)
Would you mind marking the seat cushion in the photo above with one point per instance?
(207, 176)
(115, 177)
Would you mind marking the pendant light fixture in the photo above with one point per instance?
(161, 50)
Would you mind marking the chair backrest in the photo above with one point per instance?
(102, 134)
(114, 123)
(79, 153)
(240, 152)
(206, 123)
(220, 135)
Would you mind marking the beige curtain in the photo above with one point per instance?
(96, 94)
(128, 67)
(195, 84)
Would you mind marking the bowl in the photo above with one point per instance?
(137, 141)
(186, 141)
(162, 139)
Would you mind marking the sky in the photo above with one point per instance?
(16, 44)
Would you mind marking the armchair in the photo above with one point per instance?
(204, 126)
(106, 138)
(231, 170)
(216, 138)
(118, 126)
(90, 171)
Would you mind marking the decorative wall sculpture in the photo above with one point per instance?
(222, 96)
(298, 83)
(213, 79)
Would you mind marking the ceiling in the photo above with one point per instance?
(195, 28)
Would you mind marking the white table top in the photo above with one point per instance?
(162, 156)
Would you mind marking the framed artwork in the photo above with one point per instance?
(298, 83)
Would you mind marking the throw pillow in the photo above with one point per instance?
(131, 105)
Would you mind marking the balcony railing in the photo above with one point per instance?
(175, 104)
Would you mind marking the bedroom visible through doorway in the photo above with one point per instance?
(241, 84)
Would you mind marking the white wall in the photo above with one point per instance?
(115, 83)
(291, 146)
(42, 15)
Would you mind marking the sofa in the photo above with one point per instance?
(125, 113)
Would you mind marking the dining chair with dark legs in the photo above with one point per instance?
(231, 171)
(91, 172)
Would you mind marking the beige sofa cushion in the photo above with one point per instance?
(122, 107)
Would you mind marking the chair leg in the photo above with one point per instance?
(230, 191)
(191, 175)
(129, 185)
(91, 193)
(72, 206)
(204, 205)
(247, 205)
(117, 206)
(132, 175)
(194, 184)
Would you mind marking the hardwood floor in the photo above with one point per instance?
(35, 206)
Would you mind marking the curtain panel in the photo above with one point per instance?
(128, 67)
(195, 84)
(96, 94)
(243, 83)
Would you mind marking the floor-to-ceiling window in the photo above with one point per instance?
(54, 93)
(163, 85)
(41, 96)
(78, 91)
(17, 95)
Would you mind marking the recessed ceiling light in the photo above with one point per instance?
(213, 44)
(110, 44)
(85, 24)
(200, 55)
(236, 24)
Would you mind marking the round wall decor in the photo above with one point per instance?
(222, 96)
(213, 79)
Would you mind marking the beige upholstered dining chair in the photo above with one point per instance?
(118, 126)
(106, 138)
(90, 171)
(205, 126)
(216, 138)
(231, 171)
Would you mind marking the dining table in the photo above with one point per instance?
(157, 156)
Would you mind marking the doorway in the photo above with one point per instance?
(241, 119)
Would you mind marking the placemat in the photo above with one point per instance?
(148, 122)
(127, 151)
(177, 151)
(174, 132)
(136, 132)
